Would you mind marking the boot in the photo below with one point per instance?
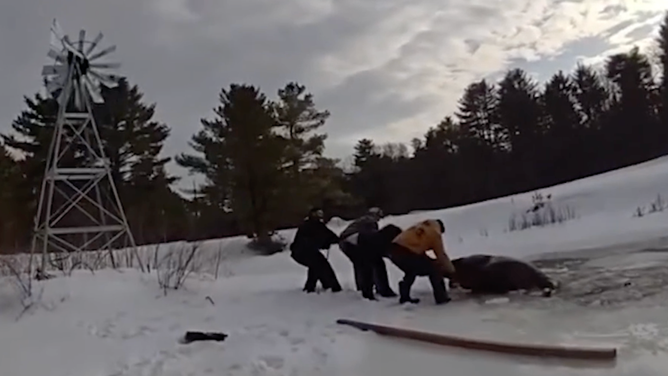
(441, 300)
(386, 293)
(404, 294)
(369, 296)
(441, 295)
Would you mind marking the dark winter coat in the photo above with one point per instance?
(379, 242)
(313, 235)
(363, 225)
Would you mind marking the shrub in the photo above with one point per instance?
(656, 206)
(542, 213)
(174, 268)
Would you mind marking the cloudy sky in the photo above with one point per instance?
(386, 69)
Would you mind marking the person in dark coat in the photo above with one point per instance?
(312, 236)
(360, 243)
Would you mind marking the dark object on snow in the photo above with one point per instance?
(203, 336)
(41, 275)
(312, 236)
(487, 274)
(543, 351)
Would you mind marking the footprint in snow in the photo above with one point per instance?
(273, 361)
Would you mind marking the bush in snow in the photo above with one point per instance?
(656, 206)
(542, 213)
(21, 282)
(174, 268)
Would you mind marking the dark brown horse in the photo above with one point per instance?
(487, 274)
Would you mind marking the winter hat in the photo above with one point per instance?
(376, 211)
(315, 212)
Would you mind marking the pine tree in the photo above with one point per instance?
(33, 130)
(365, 151)
(298, 118)
(481, 138)
(10, 202)
(367, 178)
(592, 97)
(133, 142)
(634, 113)
(662, 42)
(478, 117)
(565, 136)
(519, 114)
(242, 159)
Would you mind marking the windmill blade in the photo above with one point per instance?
(105, 79)
(56, 34)
(49, 70)
(93, 90)
(55, 42)
(105, 65)
(57, 56)
(106, 51)
(69, 47)
(92, 46)
(82, 38)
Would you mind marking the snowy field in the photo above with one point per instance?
(612, 265)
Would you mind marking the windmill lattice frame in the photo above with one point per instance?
(79, 207)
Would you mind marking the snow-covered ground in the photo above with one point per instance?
(612, 267)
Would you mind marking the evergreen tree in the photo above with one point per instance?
(481, 138)
(662, 42)
(33, 131)
(133, 142)
(438, 167)
(519, 114)
(10, 202)
(634, 112)
(298, 118)
(242, 159)
(563, 129)
(365, 151)
(368, 176)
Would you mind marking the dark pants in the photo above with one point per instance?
(319, 269)
(414, 265)
(370, 270)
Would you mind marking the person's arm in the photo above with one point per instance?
(441, 257)
(329, 236)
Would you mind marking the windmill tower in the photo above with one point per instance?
(79, 207)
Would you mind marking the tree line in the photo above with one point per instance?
(264, 167)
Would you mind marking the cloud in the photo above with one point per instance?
(386, 69)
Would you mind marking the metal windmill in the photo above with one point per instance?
(79, 207)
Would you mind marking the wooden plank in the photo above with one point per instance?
(486, 345)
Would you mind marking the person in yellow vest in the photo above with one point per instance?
(408, 253)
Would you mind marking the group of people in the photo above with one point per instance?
(366, 246)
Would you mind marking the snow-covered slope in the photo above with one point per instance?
(120, 323)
